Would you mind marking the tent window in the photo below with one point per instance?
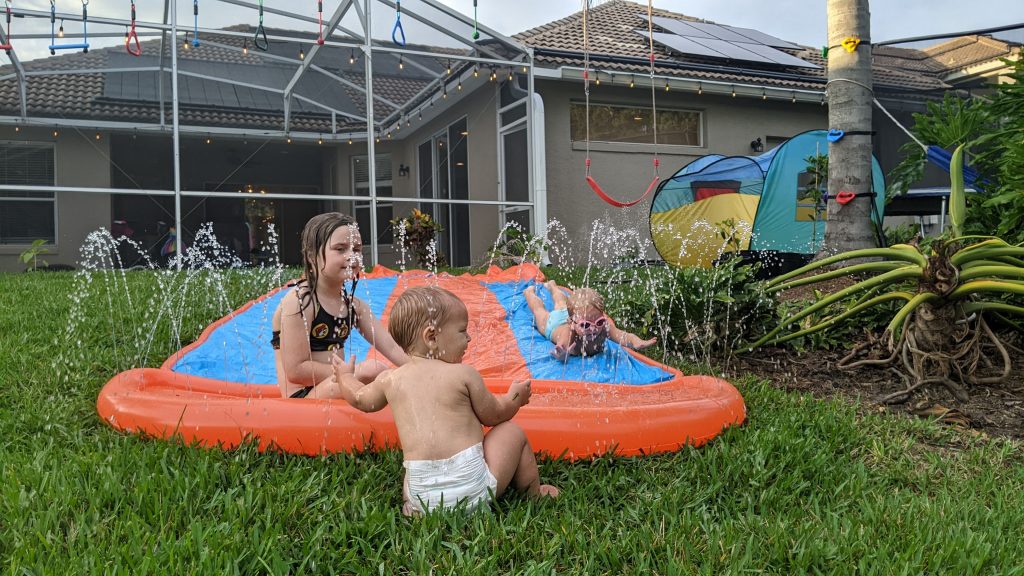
(26, 216)
(633, 125)
(809, 192)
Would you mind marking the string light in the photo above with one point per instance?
(302, 53)
(700, 88)
(97, 135)
(509, 74)
(60, 31)
(494, 75)
(476, 71)
(401, 63)
(350, 141)
(126, 37)
(764, 94)
(352, 56)
(733, 91)
(459, 87)
(794, 97)
(319, 139)
(17, 128)
(666, 86)
(56, 132)
(208, 139)
(597, 79)
(245, 47)
(632, 81)
(444, 93)
(525, 69)
(288, 139)
(449, 68)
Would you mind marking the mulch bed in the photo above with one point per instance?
(993, 410)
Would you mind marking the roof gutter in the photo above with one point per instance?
(677, 65)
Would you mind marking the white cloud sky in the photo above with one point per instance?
(802, 21)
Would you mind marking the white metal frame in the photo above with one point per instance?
(478, 53)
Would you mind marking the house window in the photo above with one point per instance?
(633, 125)
(361, 187)
(26, 216)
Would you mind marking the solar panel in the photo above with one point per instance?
(733, 51)
(777, 56)
(759, 37)
(683, 45)
(720, 32)
(715, 41)
(679, 27)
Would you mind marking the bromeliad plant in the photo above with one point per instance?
(947, 292)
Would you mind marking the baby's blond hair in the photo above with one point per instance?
(417, 308)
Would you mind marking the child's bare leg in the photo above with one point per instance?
(540, 311)
(557, 296)
(510, 458)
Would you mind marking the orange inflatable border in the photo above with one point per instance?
(565, 419)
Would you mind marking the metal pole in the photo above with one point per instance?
(942, 216)
(370, 148)
(176, 137)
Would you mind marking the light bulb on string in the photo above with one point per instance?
(60, 31)
(352, 56)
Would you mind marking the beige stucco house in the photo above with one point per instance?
(481, 134)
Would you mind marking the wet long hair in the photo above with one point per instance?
(315, 236)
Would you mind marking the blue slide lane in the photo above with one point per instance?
(239, 350)
(613, 366)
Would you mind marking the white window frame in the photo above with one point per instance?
(52, 199)
(660, 110)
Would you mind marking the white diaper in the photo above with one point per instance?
(462, 478)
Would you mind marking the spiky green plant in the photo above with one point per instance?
(947, 291)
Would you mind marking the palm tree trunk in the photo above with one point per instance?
(849, 109)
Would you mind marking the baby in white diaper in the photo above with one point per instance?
(440, 407)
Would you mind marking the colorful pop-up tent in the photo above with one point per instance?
(763, 203)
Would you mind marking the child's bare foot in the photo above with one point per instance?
(551, 286)
(549, 491)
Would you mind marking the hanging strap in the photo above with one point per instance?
(397, 32)
(195, 23)
(84, 44)
(8, 46)
(259, 38)
(476, 28)
(586, 91)
(135, 50)
(320, 19)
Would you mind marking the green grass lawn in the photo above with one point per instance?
(805, 486)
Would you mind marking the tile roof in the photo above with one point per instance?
(611, 32)
(965, 51)
(133, 96)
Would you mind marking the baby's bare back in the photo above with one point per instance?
(432, 409)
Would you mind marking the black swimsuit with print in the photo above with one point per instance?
(326, 333)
